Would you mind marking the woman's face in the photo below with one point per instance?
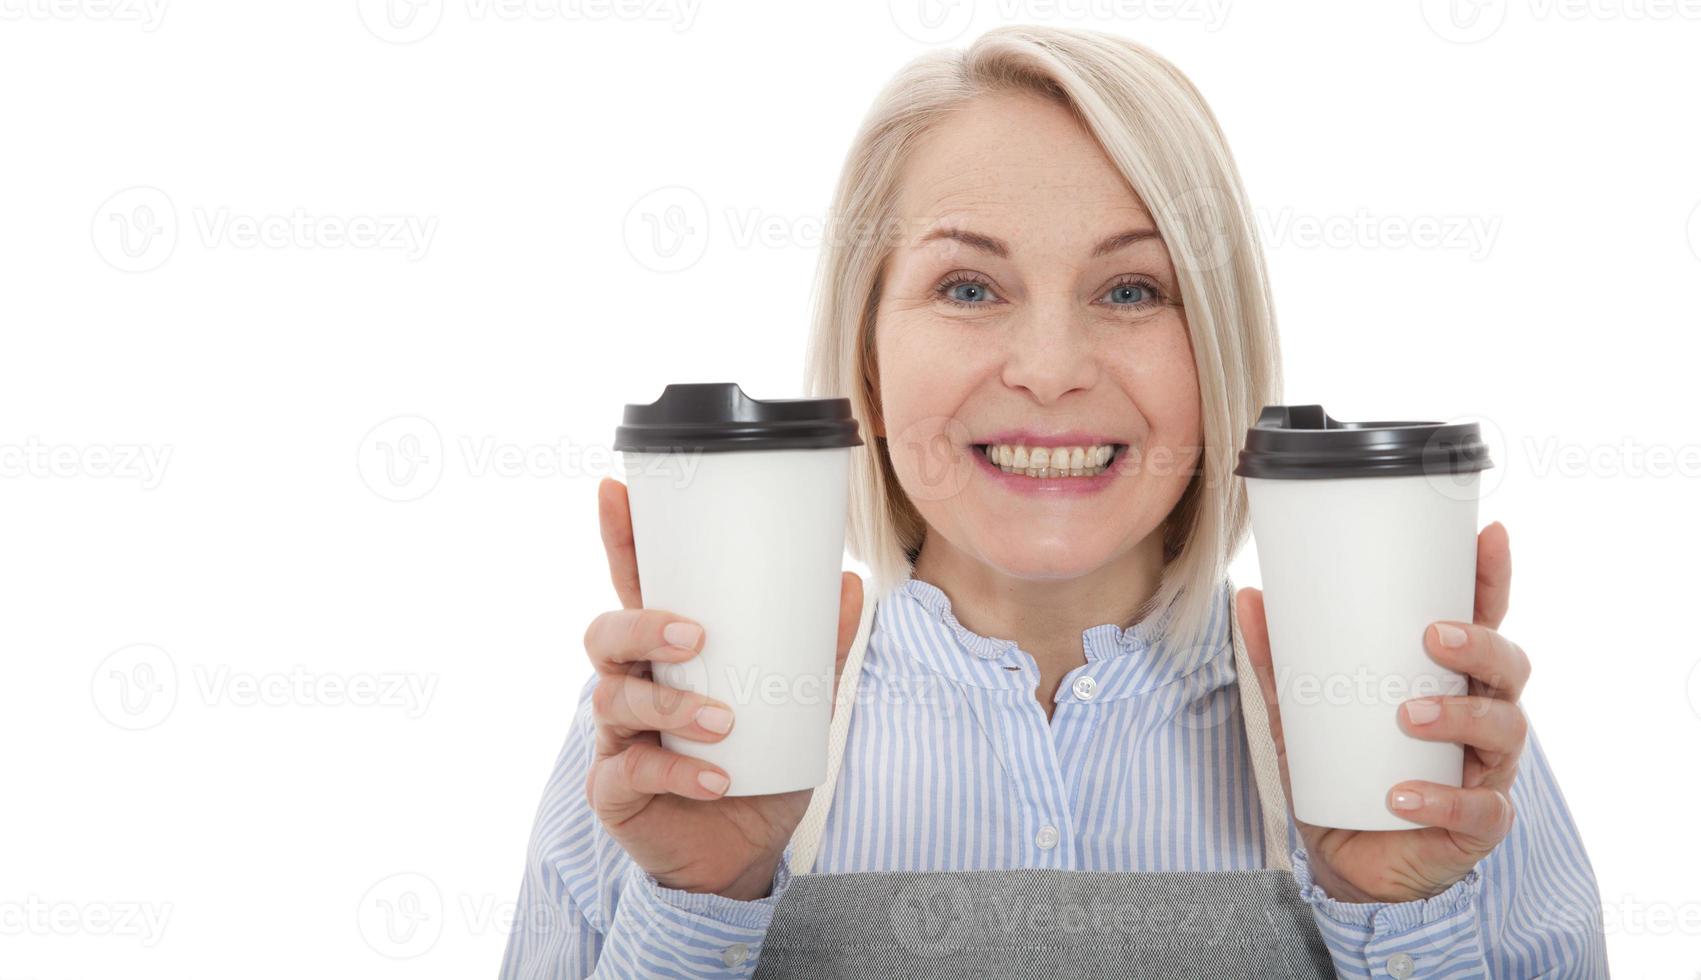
(1030, 303)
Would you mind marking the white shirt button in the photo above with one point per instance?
(1046, 838)
(735, 954)
(1085, 687)
(1401, 966)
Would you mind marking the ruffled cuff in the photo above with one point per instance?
(661, 931)
(1430, 937)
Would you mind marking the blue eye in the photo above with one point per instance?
(968, 292)
(1129, 294)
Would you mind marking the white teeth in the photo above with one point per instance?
(1050, 462)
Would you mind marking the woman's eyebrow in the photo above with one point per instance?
(992, 246)
(1123, 239)
(986, 243)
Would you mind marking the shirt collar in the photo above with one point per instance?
(1124, 661)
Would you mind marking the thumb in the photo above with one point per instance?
(850, 617)
(1249, 611)
(1255, 633)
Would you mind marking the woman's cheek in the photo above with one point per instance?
(921, 396)
(1165, 388)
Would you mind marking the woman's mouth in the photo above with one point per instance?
(1050, 462)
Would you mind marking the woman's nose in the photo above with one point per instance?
(1049, 354)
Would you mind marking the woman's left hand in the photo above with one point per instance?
(1461, 824)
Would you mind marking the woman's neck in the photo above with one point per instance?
(1045, 617)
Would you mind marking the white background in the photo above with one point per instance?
(309, 649)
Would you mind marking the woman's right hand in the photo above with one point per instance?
(663, 808)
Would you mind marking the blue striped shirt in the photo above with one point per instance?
(952, 765)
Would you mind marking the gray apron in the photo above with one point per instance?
(1045, 923)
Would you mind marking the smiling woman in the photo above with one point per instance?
(1064, 301)
(1056, 355)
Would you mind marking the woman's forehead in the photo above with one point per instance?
(1031, 223)
(987, 170)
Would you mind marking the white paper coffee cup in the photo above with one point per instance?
(1366, 534)
(738, 518)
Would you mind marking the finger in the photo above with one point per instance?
(621, 785)
(1497, 665)
(621, 638)
(1494, 576)
(615, 515)
(1479, 818)
(624, 706)
(1496, 729)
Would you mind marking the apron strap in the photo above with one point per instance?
(806, 839)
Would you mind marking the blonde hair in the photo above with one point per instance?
(1157, 130)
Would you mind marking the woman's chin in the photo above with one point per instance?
(1049, 558)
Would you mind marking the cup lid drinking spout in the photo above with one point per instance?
(1301, 442)
(720, 417)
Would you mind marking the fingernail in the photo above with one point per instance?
(715, 719)
(1449, 635)
(714, 782)
(1423, 712)
(682, 634)
(1405, 799)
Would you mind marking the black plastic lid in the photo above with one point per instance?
(720, 417)
(1301, 442)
